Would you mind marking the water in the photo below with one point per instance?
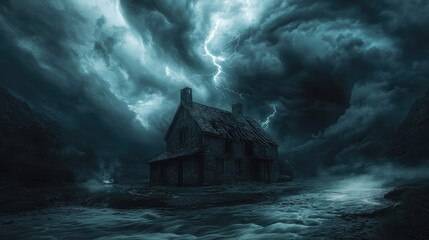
(317, 212)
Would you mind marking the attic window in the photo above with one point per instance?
(183, 135)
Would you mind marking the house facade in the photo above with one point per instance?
(207, 145)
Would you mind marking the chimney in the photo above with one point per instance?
(186, 96)
(237, 111)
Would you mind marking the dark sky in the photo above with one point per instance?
(340, 74)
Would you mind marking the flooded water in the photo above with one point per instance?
(319, 211)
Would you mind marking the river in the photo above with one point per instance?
(320, 210)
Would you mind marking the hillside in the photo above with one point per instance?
(29, 142)
(412, 138)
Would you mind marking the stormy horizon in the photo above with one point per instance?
(89, 90)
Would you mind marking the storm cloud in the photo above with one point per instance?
(342, 75)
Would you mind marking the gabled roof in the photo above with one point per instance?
(218, 122)
(222, 123)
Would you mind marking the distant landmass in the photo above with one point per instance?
(412, 139)
(35, 148)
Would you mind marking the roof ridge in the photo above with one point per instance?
(246, 116)
(212, 107)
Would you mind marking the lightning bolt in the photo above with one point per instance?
(218, 60)
(267, 120)
(215, 59)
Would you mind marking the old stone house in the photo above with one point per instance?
(207, 145)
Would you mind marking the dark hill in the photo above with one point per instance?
(412, 139)
(29, 143)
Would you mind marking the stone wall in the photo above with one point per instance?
(164, 173)
(270, 152)
(192, 171)
(213, 148)
(193, 138)
(168, 172)
(171, 172)
(221, 167)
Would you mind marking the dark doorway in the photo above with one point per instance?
(199, 169)
(238, 162)
(180, 172)
(256, 170)
(163, 173)
(267, 171)
(262, 169)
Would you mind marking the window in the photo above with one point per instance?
(183, 135)
(220, 165)
(238, 166)
(248, 149)
(228, 146)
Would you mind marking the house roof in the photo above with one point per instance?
(222, 123)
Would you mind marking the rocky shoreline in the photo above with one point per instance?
(408, 215)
